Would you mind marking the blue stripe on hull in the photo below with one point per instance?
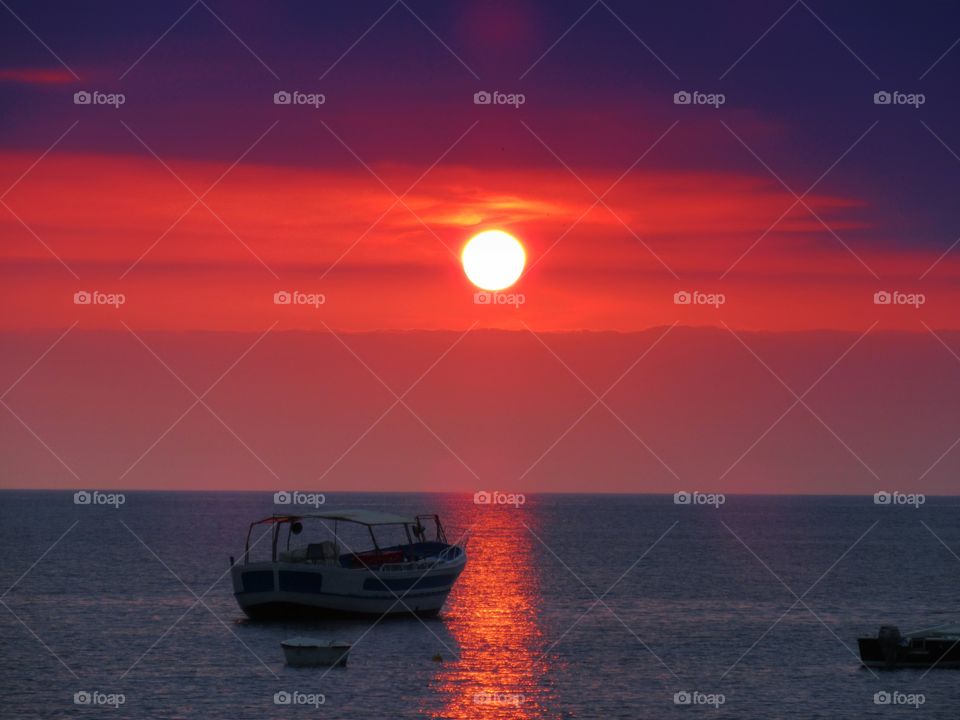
(258, 581)
(304, 582)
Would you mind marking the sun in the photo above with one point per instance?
(493, 260)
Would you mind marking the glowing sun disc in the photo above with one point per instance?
(493, 260)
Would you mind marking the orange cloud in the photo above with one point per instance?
(125, 222)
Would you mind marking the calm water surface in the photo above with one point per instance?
(693, 599)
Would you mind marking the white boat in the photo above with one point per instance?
(318, 572)
(307, 652)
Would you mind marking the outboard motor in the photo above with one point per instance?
(889, 638)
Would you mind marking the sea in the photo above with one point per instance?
(571, 606)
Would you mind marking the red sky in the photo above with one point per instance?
(694, 410)
(500, 411)
(695, 199)
(117, 223)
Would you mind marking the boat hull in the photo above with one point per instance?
(278, 590)
(940, 653)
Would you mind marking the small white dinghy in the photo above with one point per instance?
(309, 652)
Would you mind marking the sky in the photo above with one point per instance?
(788, 204)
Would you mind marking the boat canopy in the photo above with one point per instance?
(366, 517)
(363, 517)
(412, 524)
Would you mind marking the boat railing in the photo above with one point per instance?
(452, 552)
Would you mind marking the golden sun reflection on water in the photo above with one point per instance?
(492, 615)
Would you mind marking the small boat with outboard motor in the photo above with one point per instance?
(935, 647)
